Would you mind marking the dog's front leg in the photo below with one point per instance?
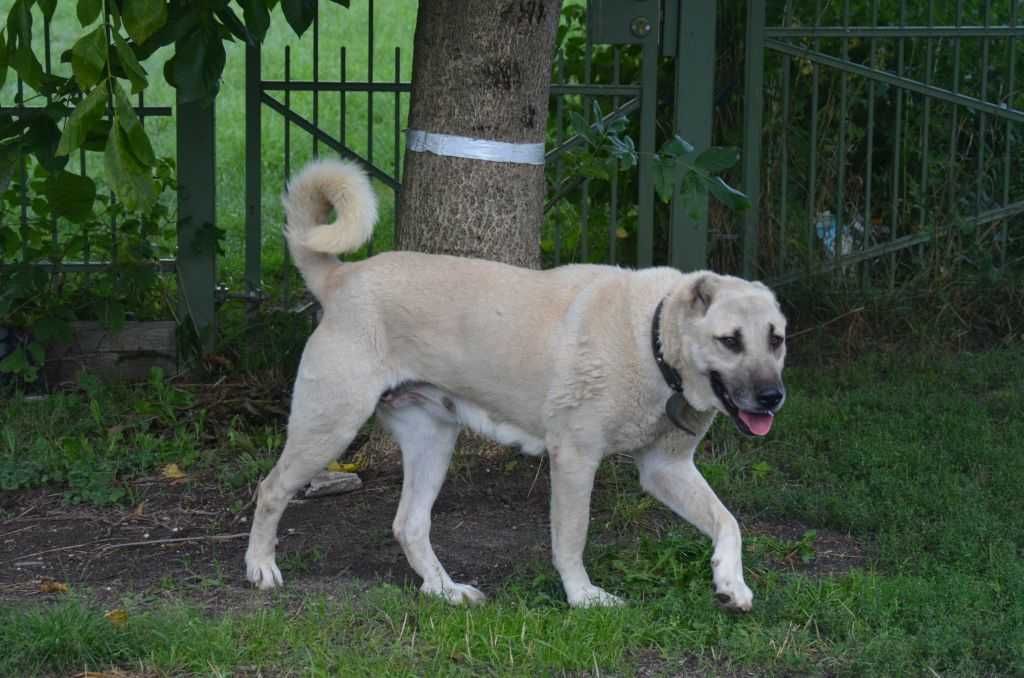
(673, 479)
(572, 479)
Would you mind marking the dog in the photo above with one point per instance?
(578, 361)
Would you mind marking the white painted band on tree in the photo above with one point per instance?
(474, 149)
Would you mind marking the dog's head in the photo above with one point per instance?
(729, 344)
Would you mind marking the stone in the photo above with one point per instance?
(326, 483)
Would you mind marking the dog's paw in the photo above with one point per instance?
(456, 594)
(594, 596)
(735, 596)
(262, 572)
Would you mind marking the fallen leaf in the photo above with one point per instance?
(352, 467)
(117, 616)
(140, 509)
(173, 472)
(48, 585)
(621, 233)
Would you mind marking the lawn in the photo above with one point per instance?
(881, 521)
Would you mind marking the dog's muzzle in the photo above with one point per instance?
(750, 421)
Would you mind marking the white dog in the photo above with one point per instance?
(579, 361)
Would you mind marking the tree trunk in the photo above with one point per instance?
(481, 69)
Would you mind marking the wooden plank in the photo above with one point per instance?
(127, 354)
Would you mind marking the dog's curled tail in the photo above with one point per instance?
(311, 194)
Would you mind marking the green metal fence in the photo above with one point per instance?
(882, 135)
(627, 58)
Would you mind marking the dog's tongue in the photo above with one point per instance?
(759, 424)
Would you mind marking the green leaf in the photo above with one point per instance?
(299, 14)
(677, 146)
(580, 127)
(717, 159)
(728, 195)
(19, 24)
(26, 64)
(142, 18)
(132, 182)
(17, 363)
(234, 24)
(197, 64)
(132, 68)
(86, 113)
(70, 195)
(138, 141)
(41, 140)
(665, 178)
(48, 7)
(88, 57)
(3, 60)
(88, 11)
(343, 3)
(257, 17)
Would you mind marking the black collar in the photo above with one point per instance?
(676, 408)
(670, 373)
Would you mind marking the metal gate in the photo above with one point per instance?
(610, 53)
(874, 129)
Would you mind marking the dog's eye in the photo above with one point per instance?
(775, 341)
(731, 342)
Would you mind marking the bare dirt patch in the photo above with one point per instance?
(183, 538)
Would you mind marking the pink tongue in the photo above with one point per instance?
(759, 424)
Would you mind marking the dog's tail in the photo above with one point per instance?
(311, 194)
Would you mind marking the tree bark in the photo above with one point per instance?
(481, 69)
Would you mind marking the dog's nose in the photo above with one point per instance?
(769, 397)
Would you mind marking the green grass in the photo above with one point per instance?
(393, 24)
(918, 457)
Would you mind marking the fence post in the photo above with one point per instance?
(197, 216)
(694, 96)
(253, 175)
(752, 114)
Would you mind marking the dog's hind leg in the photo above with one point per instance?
(673, 479)
(427, 437)
(330, 402)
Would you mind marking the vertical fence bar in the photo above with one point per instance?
(645, 180)
(613, 208)
(1011, 56)
(694, 106)
(897, 146)
(369, 99)
(22, 178)
(982, 119)
(923, 180)
(316, 76)
(869, 219)
(342, 95)
(197, 212)
(812, 171)
(397, 138)
(560, 136)
(787, 66)
(754, 99)
(253, 174)
(954, 134)
(286, 269)
(844, 86)
(585, 184)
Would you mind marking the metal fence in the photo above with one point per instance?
(881, 135)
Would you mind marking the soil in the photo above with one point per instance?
(182, 538)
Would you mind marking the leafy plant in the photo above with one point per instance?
(44, 301)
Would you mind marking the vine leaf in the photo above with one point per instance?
(70, 195)
(138, 141)
(86, 113)
(89, 57)
(130, 179)
(88, 11)
(142, 18)
(299, 14)
(257, 17)
(132, 68)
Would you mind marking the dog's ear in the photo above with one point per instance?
(703, 293)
